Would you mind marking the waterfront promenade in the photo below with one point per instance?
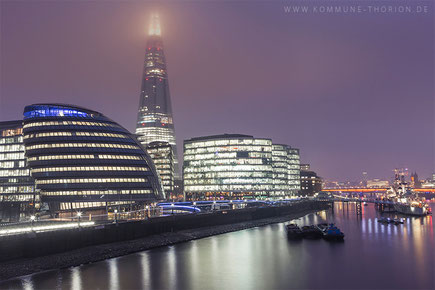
(74, 247)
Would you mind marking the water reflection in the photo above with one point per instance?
(113, 274)
(373, 256)
(26, 283)
(146, 273)
(76, 279)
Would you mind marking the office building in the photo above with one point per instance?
(280, 169)
(286, 171)
(155, 122)
(305, 167)
(17, 197)
(81, 159)
(310, 182)
(415, 182)
(294, 161)
(163, 157)
(235, 166)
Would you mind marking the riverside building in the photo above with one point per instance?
(286, 171)
(311, 183)
(81, 159)
(235, 166)
(17, 197)
(294, 162)
(163, 157)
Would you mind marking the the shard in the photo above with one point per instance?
(155, 122)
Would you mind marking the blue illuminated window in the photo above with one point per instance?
(50, 111)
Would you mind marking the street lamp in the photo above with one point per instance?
(116, 216)
(172, 206)
(32, 220)
(79, 215)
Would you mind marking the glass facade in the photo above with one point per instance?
(163, 157)
(81, 159)
(294, 176)
(280, 163)
(155, 121)
(239, 166)
(16, 184)
(227, 166)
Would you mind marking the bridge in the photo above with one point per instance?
(374, 190)
(356, 190)
(366, 200)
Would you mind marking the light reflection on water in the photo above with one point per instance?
(373, 256)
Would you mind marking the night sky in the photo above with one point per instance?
(353, 91)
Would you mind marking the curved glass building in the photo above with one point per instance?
(81, 159)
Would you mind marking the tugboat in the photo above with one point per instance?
(293, 232)
(311, 232)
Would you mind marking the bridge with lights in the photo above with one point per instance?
(373, 190)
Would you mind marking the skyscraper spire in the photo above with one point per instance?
(154, 121)
(154, 28)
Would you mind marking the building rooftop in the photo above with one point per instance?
(47, 109)
(10, 124)
(221, 136)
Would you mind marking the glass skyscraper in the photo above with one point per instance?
(16, 185)
(162, 155)
(155, 122)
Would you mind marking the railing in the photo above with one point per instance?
(37, 224)
(80, 220)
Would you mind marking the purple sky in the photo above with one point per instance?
(353, 91)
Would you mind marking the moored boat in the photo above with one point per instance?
(383, 220)
(406, 201)
(333, 233)
(411, 208)
(293, 231)
(322, 227)
(311, 232)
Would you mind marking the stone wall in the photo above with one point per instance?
(46, 243)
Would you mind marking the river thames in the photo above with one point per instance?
(373, 256)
